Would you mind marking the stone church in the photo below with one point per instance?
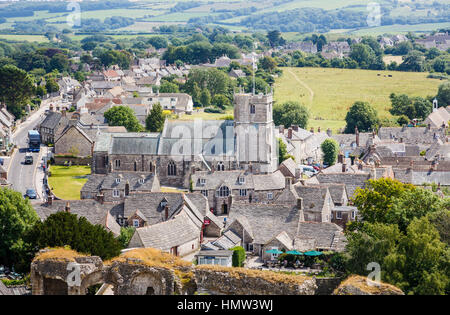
(183, 147)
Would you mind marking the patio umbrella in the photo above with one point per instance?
(294, 252)
(313, 253)
(274, 251)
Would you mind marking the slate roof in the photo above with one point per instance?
(52, 120)
(97, 182)
(324, 234)
(337, 191)
(228, 240)
(93, 211)
(438, 117)
(411, 135)
(217, 253)
(314, 197)
(266, 221)
(135, 145)
(168, 234)
(4, 290)
(351, 180)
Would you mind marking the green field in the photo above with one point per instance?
(329, 93)
(26, 38)
(66, 182)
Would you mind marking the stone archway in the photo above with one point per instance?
(53, 286)
(148, 283)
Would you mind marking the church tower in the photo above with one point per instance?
(254, 132)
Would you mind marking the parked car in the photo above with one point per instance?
(2, 161)
(31, 193)
(28, 158)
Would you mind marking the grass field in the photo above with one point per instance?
(207, 116)
(66, 182)
(329, 93)
(27, 38)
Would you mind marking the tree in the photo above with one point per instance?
(416, 107)
(59, 62)
(363, 116)
(123, 116)
(363, 55)
(290, 113)
(268, 64)
(17, 217)
(51, 85)
(238, 256)
(155, 120)
(66, 229)
(443, 95)
(414, 61)
(158, 42)
(282, 151)
(16, 88)
(126, 233)
(275, 38)
(330, 149)
(375, 201)
(168, 87)
(205, 98)
(221, 101)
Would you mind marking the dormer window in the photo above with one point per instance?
(141, 181)
(163, 204)
(117, 180)
(202, 181)
(241, 180)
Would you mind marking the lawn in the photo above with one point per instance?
(66, 182)
(329, 93)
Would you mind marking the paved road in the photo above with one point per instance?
(20, 175)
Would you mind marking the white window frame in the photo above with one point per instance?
(205, 193)
(141, 181)
(117, 180)
(116, 193)
(241, 180)
(135, 223)
(270, 196)
(202, 181)
(243, 192)
(338, 214)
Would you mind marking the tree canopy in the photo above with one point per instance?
(155, 120)
(123, 116)
(330, 149)
(290, 113)
(363, 116)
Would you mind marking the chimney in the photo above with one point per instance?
(340, 157)
(318, 130)
(357, 136)
(295, 127)
(127, 188)
(101, 198)
(329, 132)
(92, 125)
(429, 126)
(311, 130)
(250, 168)
(352, 158)
(298, 173)
(289, 133)
(166, 212)
(300, 203)
(401, 140)
(281, 129)
(344, 167)
(63, 112)
(50, 199)
(67, 207)
(439, 187)
(288, 182)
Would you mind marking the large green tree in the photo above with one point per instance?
(290, 113)
(443, 95)
(66, 229)
(155, 120)
(363, 116)
(17, 217)
(16, 88)
(123, 116)
(330, 149)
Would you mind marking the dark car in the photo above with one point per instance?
(31, 193)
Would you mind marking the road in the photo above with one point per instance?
(20, 175)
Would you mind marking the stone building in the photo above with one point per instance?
(185, 146)
(52, 125)
(222, 188)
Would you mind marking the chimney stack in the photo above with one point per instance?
(50, 199)
(429, 126)
(357, 136)
(295, 127)
(101, 198)
(288, 182)
(68, 207)
(344, 167)
(127, 188)
(311, 130)
(166, 212)
(289, 133)
(281, 128)
(329, 132)
(340, 157)
(318, 130)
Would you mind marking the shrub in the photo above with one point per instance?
(238, 256)
(214, 110)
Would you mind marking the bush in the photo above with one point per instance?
(214, 111)
(238, 256)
